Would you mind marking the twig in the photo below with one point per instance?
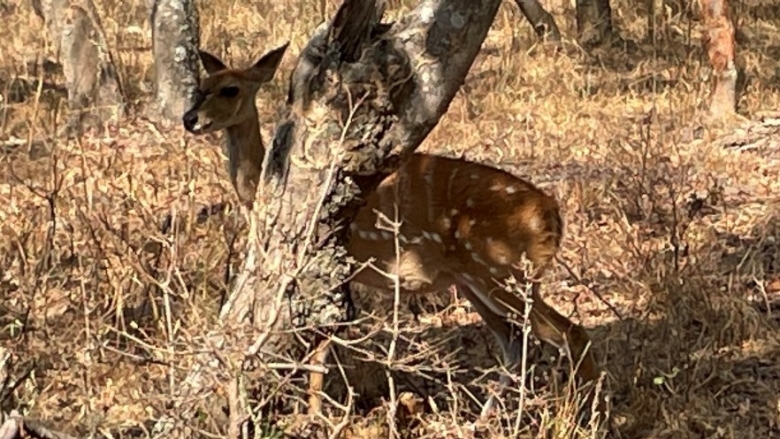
(595, 293)
(337, 429)
(15, 426)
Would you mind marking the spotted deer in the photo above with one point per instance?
(462, 224)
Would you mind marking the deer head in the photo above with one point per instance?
(226, 97)
(226, 101)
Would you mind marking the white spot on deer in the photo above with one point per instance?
(478, 259)
(457, 234)
(494, 271)
(373, 236)
(535, 224)
(496, 187)
(415, 239)
(467, 277)
(510, 190)
(467, 245)
(451, 181)
(427, 235)
(453, 212)
(470, 202)
(386, 235)
(472, 222)
(428, 176)
(451, 248)
(353, 227)
(446, 223)
(436, 238)
(363, 234)
(474, 176)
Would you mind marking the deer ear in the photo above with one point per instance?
(211, 63)
(263, 70)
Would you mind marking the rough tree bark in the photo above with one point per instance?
(175, 41)
(363, 96)
(594, 22)
(94, 90)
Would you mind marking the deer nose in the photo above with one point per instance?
(190, 120)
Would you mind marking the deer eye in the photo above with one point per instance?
(228, 92)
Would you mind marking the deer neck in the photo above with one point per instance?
(245, 147)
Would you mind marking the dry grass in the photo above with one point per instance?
(679, 236)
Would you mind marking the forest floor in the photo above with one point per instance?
(670, 259)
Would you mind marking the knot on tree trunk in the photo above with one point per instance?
(346, 90)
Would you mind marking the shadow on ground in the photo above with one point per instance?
(698, 361)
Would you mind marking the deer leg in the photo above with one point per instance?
(550, 326)
(502, 330)
(718, 41)
(317, 379)
(541, 20)
(546, 323)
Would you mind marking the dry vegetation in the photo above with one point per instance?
(671, 257)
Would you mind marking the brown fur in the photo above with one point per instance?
(217, 108)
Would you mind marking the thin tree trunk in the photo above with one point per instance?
(541, 20)
(94, 90)
(175, 41)
(594, 22)
(718, 41)
(362, 97)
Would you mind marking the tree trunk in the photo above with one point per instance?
(363, 96)
(594, 22)
(94, 90)
(175, 41)
(541, 20)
